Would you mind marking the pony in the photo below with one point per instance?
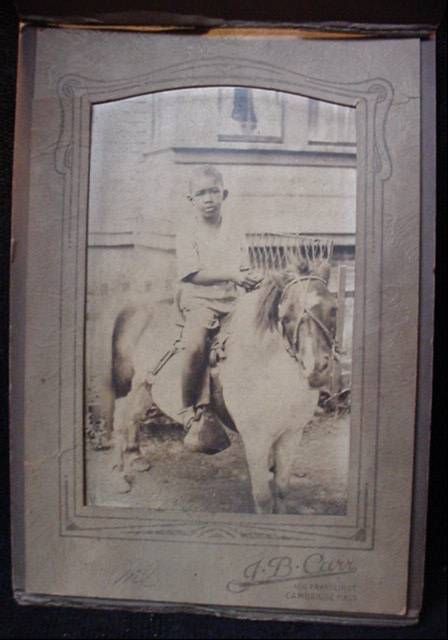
(280, 354)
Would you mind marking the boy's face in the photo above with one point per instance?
(207, 195)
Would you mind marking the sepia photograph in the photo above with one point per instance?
(219, 302)
(221, 313)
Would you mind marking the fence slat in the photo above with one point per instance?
(340, 318)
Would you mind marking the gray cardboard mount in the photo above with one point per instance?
(66, 552)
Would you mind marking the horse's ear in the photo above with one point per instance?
(323, 271)
(317, 257)
(303, 266)
(299, 265)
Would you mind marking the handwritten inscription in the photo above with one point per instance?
(287, 568)
(140, 576)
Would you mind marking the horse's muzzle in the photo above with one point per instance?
(317, 379)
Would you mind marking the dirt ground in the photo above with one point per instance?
(181, 480)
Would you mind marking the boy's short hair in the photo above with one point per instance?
(205, 170)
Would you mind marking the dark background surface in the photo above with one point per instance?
(349, 11)
(42, 622)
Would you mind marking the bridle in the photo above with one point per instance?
(293, 348)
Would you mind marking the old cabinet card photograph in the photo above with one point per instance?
(285, 234)
(222, 250)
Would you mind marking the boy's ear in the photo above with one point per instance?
(225, 193)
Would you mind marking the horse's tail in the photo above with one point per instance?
(128, 328)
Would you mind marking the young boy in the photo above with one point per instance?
(212, 261)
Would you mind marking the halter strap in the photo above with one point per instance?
(306, 312)
(301, 279)
(321, 325)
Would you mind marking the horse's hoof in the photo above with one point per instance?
(141, 464)
(121, 483)
(132, 448)
(117, 468)
(280, 507)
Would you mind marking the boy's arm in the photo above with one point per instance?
(208, 277)
(190, 269)
(187, 256)
(243, 278)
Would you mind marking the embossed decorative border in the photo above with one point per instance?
(372, 99)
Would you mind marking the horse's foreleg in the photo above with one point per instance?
(285, 451)
(120, 433)
(258, 456)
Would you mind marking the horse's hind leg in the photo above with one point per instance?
(129, 412)
(285, 451)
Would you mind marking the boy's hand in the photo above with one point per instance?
(247, 279)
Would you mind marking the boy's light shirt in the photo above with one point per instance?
(221, 248)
